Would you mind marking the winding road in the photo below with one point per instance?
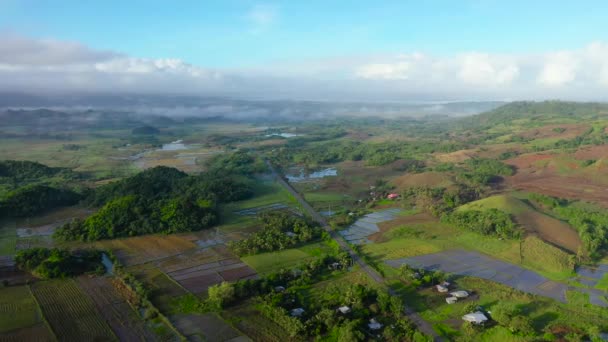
(422, 325)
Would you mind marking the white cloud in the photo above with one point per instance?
(386, 71)
(559, 69)
(483, 69)
(27, 63)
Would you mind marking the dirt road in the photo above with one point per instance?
(422, 325)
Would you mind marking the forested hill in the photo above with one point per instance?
(545, 111)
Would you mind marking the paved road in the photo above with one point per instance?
(422, 325)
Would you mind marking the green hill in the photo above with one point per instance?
(550, 229)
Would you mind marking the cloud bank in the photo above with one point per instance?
(31, 64)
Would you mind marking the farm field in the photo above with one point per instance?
(71, 313)
(248, 320)
(143, 249)
(113, 306)
(206, 327)
(205, 267)
(19, 312)
(274, 261)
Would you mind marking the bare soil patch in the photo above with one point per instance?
(591, 152)
(455, 157)
(528, 161)
(203, 268)
(574, 188)
(206, 327)
(431, 179)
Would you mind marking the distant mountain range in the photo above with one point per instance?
(177, 106)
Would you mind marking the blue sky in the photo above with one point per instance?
(500, 49)
(225, 33)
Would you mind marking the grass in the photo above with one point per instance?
(274, 261)
(502, 202)
(602, 284)
(324, 197)
(8, 238)
(18, 308)
(265, 193)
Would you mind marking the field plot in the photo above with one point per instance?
(38, 333)
(8, 238)
(206, 267)
(162, 288)
(253, 324)
(205, 327)
(143, 249)
(18, 309)
(114, 308)
(70, 313)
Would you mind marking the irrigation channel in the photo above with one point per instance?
(422, 325)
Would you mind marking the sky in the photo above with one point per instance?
(331, 49)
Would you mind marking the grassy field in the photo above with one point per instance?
(274, 261)
(8, 237)
(266, 192)
(18, 309)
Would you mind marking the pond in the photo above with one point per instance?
(302, 176)
(107, 263)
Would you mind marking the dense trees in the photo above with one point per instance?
(33, 199)
(374, 154)
(145, 130)
(59, 263)
(239, 162)
(279, 231)
(484, 171)
(29, 188)
(487, 222)
(158, 200)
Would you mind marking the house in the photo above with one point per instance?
(374, 325)
(451, 300)
(334, 266)
(344, 309)
(297, 312)
(460, 294)
(392, 196)
(279, 288)
(475, 317)
(446, 284)
(442, 288)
